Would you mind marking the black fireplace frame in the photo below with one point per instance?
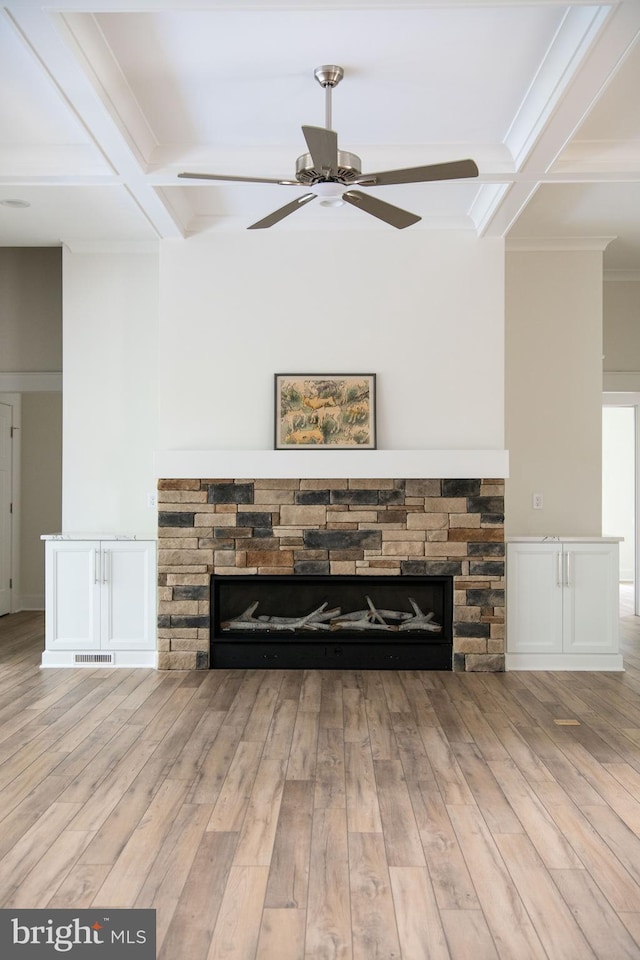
(348, 649)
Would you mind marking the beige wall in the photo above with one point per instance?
(554, 392)
(31, 342)
(30, 309)
(622, 326)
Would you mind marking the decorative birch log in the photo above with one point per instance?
(316, 620)
(370, 619)
(420, 620)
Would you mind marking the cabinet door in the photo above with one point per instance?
(534, 598)
(591, 598)
(72, 595)
(128, 608)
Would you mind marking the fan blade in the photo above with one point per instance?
(454, 170)
(224, 176)
(323, 147)
(378, 208)
(283, 212)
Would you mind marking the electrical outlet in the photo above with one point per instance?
(537, 501)
(152, 500)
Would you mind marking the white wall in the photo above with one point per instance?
(554, 392)
(424, 312)
(110, 390)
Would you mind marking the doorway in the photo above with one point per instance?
(620, 486)
(6, 486)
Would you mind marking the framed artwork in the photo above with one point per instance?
(320, 410)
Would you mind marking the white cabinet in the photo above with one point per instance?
(100, 602)
(562, 605)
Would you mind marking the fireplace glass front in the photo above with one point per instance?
(332, 622)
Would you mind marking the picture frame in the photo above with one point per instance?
(320, 411)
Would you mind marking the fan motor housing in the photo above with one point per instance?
(349, 169)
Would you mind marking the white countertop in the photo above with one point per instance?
(564, 539)
(98, 536)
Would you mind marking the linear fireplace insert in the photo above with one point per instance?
(332, 622)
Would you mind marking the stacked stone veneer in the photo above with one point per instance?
(366, 527)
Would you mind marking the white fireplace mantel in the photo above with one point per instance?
(329, 464)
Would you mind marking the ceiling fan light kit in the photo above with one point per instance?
(328, 170)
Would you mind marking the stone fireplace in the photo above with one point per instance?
(344, 528)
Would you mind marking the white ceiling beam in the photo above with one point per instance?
(616, 36)
(40, 33)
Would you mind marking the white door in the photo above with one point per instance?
(73, 575)
(5, 508)
(534, 598)
(128, 595)
(590, 598)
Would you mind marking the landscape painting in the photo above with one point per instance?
(325, 410)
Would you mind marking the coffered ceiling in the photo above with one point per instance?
(104, 102)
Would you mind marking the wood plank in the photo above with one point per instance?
(622, 892)
(401, 835)
(260, 718)
(372, 910)
(549, 841)
(363, 811)
(410, 747)
(126, 878)
(282, 935)
(420, 929)
(449, 777)
(496, 810)
(26, 853)
(54, 864)
(289, 874)
(506, 915)
(215, 766)
(231, 806)
(236, 932)
(449, 874)
(381, 737)
(553, 921)
(600, 924)
(329, 902)
(330, 768)
(191, 929)
(356, 727)
(257, 835)
(463, 927)
(304, 746)
(78, 889)
(113, 834)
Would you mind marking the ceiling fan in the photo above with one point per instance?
(328, 171)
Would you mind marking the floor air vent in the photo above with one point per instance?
(93, 658)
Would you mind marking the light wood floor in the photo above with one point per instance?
(328, 815)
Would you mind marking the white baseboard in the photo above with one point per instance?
(564, 661)
(118, 658)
